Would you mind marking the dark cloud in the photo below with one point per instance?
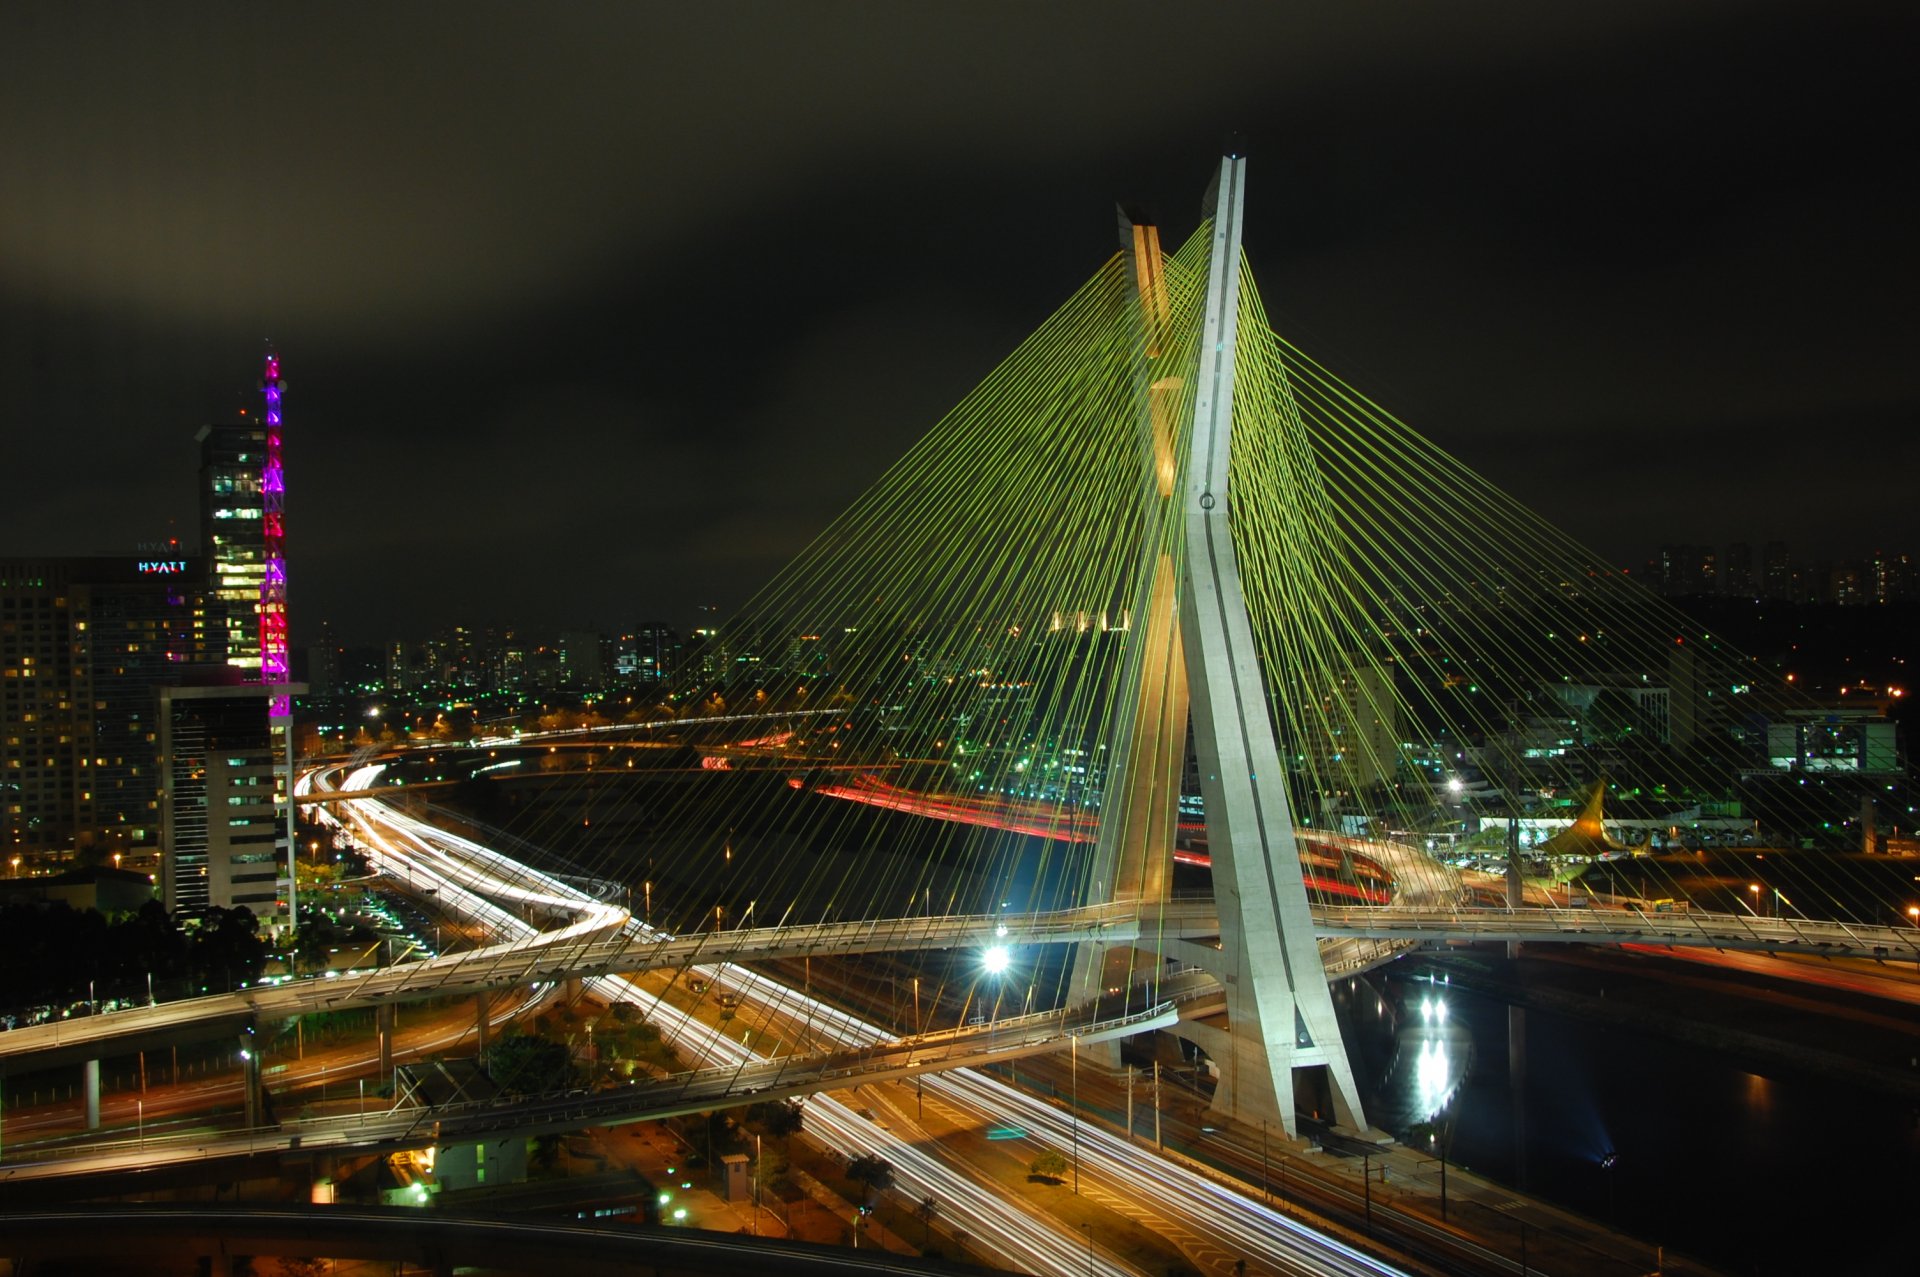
(595, 312)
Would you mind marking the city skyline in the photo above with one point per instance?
(545, 360)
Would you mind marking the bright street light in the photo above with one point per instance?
(996, 960)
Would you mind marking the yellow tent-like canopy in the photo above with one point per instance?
(1586, 836)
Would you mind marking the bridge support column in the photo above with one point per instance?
(90, 1073)
(1517, 1089)
(383, 1030)
(1133, 854)
(482, 1025)
(1280, 1014)
(1516, 885)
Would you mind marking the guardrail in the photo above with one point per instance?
(617, 947)
(780, 1077)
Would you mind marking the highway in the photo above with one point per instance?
(596, 942)
(1228, 1222)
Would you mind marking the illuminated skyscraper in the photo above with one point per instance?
(224, 734)
(85, 644)
(232, 531)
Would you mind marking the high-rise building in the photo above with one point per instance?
(85, 644)
(225, 804)
(243, 531)
(233, 531)
(1851, 584)
(1736, 572)
(1894, 578)
(135, 692)
(581, 659)
(1776, 572)
(650, 653)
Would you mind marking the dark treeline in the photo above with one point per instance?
(49, 954)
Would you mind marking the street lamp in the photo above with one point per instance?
(1089, 1228)
(1607, 1164)
(1754, 887)
(1913, 912)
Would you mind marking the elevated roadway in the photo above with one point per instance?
(612, 944)
(780, 1077)
(437, 1241)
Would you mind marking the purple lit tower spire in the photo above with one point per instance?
(273, 586)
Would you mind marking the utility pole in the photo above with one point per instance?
(1366, 1178)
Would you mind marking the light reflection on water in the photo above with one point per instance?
(1702, 1139)
(1430, 1056)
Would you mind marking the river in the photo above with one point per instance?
(1756, 1169)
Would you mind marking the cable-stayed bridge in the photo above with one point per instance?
(1163, 583)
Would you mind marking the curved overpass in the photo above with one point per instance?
(435, 1240)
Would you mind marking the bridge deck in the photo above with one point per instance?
(697, 1091)
(615, 949)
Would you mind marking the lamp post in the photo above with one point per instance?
(1913, 912)
(1607, 1164)
(1089, 1228)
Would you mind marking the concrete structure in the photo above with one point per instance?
(1283, 1049)
(227, 819)
(1850, 739)
(84, 644)
(108, 890)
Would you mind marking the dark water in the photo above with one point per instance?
(1751, 1173)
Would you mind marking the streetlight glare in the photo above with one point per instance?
(996, 959)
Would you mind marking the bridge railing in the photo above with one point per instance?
(1715, 930)
(828, 1070)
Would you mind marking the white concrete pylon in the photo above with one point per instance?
(1280, 1013)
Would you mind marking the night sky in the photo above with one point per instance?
(591, 314)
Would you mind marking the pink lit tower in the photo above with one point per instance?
(274, 667)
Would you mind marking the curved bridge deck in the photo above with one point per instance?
(583, 952)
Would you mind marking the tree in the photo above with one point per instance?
(875, 1173)
(926, 1210)
(227, 950)
(781, 1118)
(521, 1065)
(545, 1158)
(1050, 1165)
